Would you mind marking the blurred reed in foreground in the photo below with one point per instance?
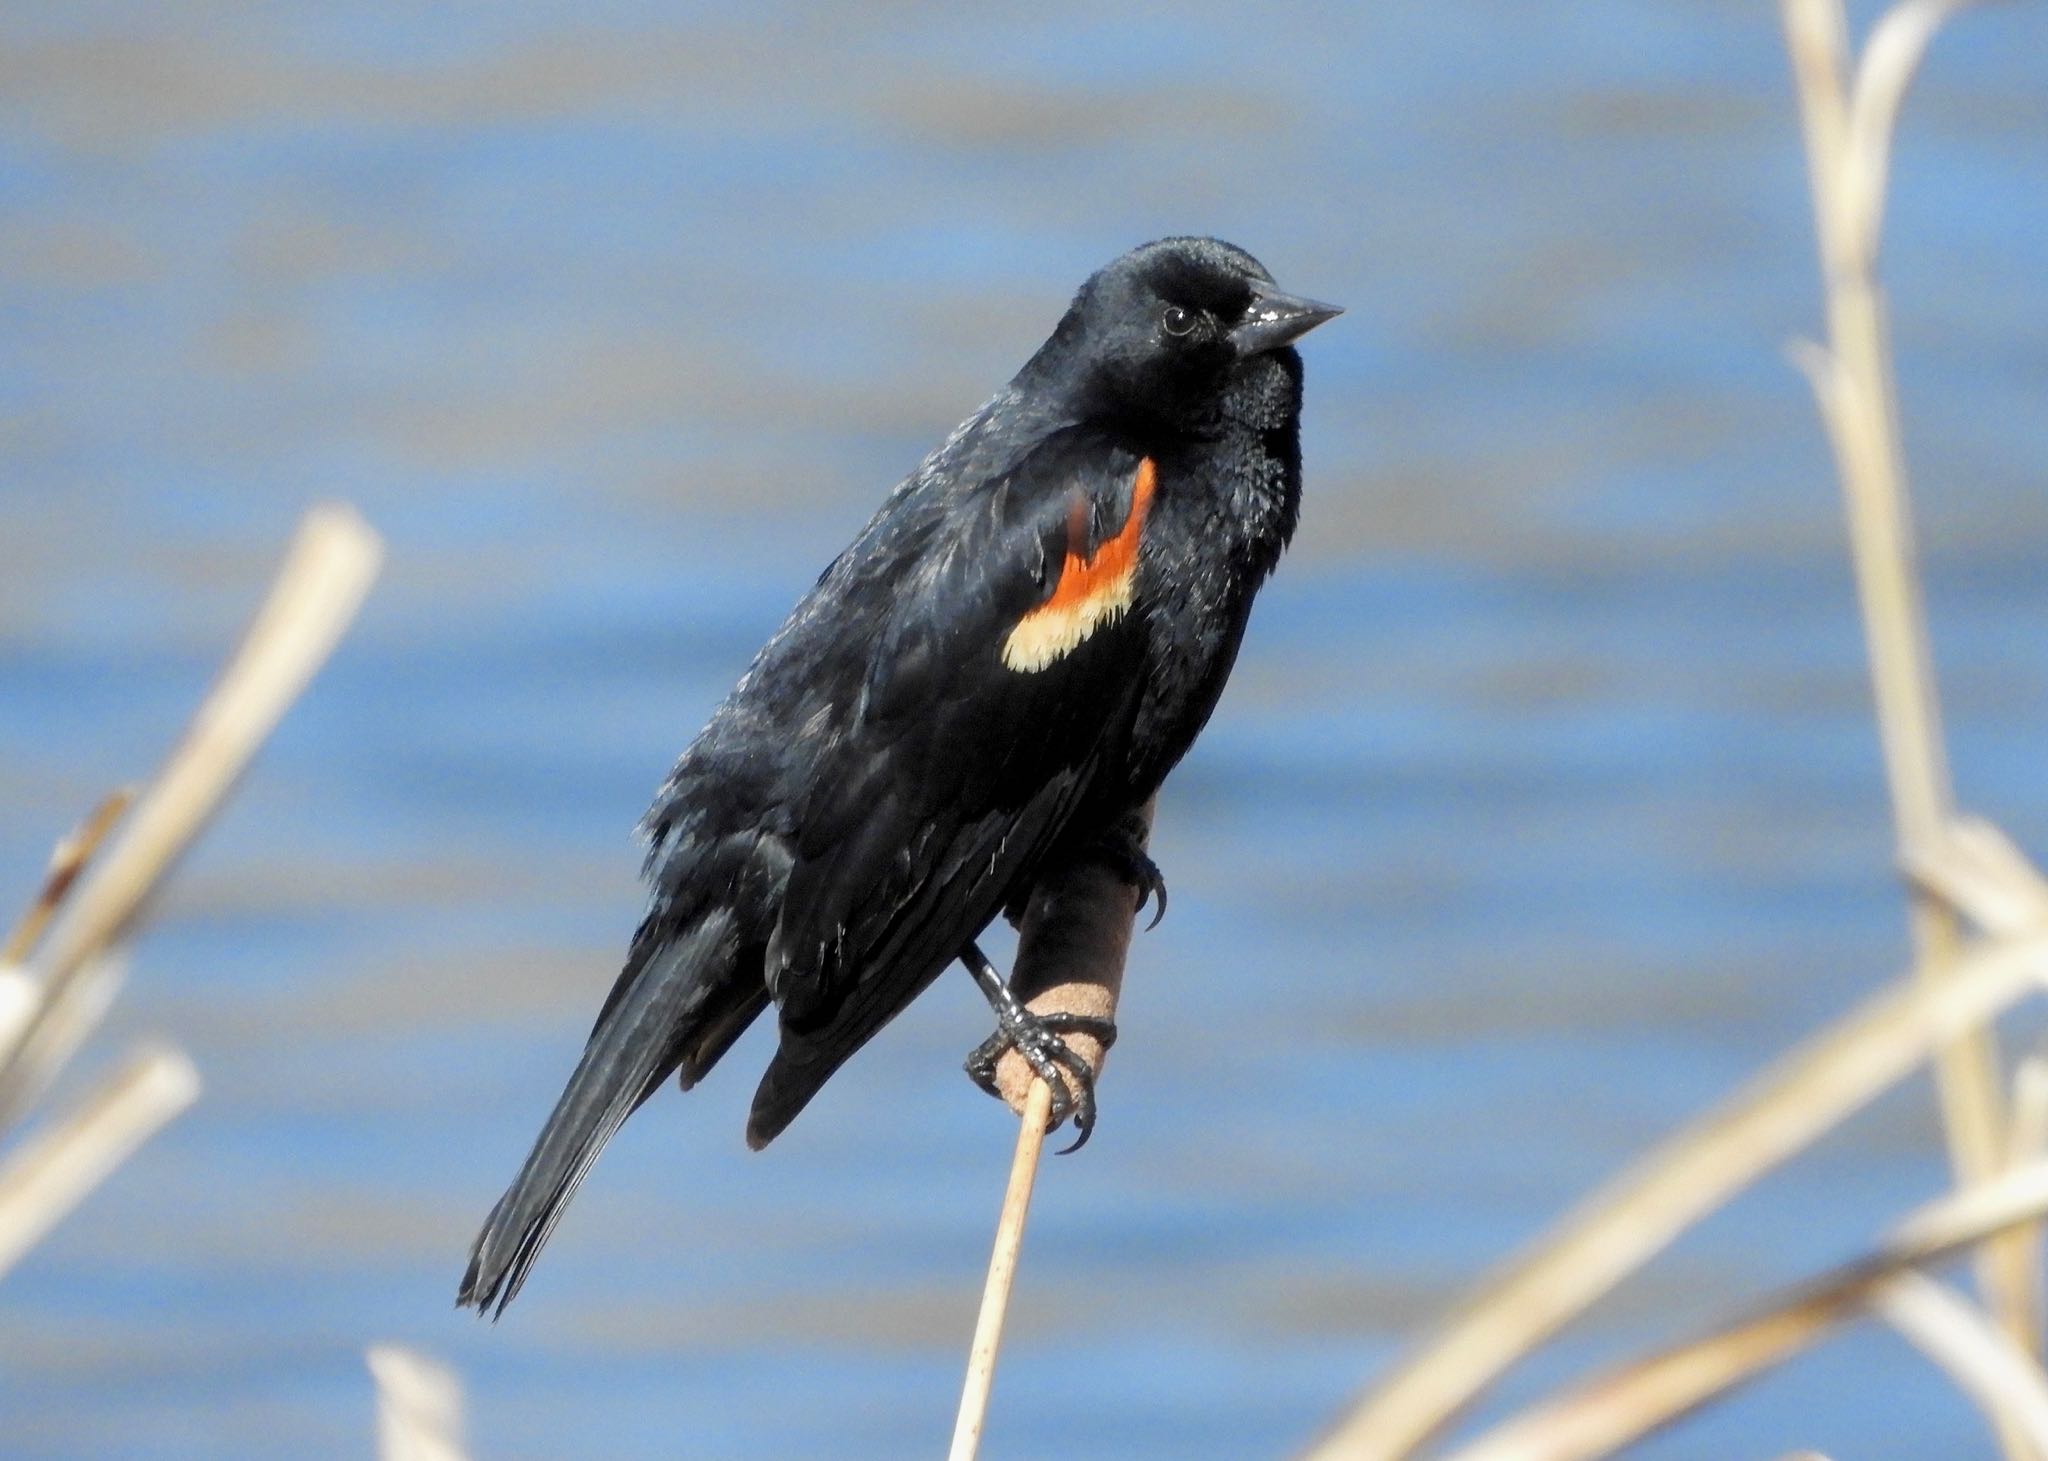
(1980, 937)
(62, 964)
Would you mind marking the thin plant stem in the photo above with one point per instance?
(1805, 1094)
(1002, 1275)
(57, 1169)
(66, 860)
(1848, 129)
(419, 1406)
(1599, 1416)
(321, 585)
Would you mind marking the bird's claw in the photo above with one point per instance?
(1121, 845)
(1036, 1038)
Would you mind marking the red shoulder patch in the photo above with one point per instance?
(1091, 591)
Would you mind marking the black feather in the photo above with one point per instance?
(630, 1053)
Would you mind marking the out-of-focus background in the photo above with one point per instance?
(1545, 805)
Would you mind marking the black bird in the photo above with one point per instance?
(1007, 661)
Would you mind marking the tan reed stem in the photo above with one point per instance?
(1804, 1094)
(1599, 1416)
(1002, 1274)
(1071, 947)
(67, 859)
(322, 583)
(1848, 127)
(419, 1406)
(55, 1171)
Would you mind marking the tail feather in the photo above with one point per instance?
(721, 1024)
(640, 1039)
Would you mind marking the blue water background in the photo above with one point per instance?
(1545, 806)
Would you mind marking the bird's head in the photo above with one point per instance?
(1161, 334)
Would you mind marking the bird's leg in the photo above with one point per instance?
(1121, 847)
(1036, 1037)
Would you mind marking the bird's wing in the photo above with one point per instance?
(1004, 672)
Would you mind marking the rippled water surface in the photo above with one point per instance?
(1545, 804)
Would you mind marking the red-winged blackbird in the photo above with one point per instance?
(1005, 663)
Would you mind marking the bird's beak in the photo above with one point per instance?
(1275, 319)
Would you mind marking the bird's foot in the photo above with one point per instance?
(1121, 847)
(1036, 1037)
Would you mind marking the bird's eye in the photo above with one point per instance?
(1178, 321)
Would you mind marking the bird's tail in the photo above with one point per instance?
(643, 1035)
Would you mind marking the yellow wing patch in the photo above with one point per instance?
(1090, 592)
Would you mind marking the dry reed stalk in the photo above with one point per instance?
(2026, 1143)
(1982, 1359)
(19, 993)
(1803, 1095)
(1848, 129)
(1977, 870)
(51, 1174)
(1954, 863)
(18, 998)
(88, 996)
(328, 571)
(419, 1406)
(69, 856)
(1071, 949)
(1612, 1410)
(1002, 1275)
